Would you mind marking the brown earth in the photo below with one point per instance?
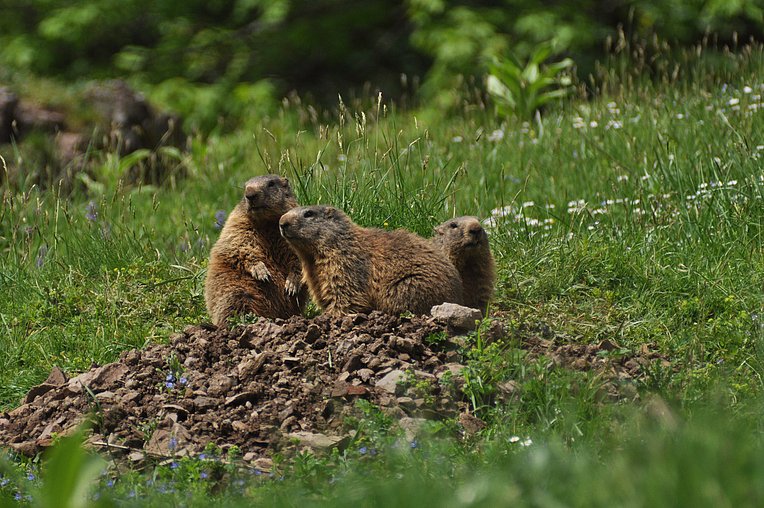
(278, 383)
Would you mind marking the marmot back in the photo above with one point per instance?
(252, 270)
(465, 242)
(353, 269)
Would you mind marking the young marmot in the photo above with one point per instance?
(353, 269)
(252, 270)
(465, 242)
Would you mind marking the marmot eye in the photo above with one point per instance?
(271, 183)
(308, 213)
(452, 225)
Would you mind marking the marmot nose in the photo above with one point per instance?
(252, 195)
(284, 225)
(475, 231)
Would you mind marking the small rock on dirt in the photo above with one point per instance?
(457, 317)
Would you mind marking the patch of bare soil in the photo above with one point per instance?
(274, 383)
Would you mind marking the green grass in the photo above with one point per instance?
(633, 214)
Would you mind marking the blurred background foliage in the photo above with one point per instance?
(208, 58)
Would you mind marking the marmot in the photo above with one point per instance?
(465, 242)
(353, 269)
(252, 270)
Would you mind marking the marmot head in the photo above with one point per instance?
(315, 228)
(268, 196)
(461, 234)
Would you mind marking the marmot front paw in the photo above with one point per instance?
(260, 272)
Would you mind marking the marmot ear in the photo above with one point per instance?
(284, 181)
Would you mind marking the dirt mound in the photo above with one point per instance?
(261, 386)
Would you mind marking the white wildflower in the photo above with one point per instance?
(457, 139)
(496, 135)
(613, 124)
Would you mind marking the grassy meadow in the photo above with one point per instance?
(632, 211)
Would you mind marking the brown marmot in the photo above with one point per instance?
(353, 269)
(252, 270)
(465, 242)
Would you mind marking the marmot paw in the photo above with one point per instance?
(260, 272)
(292, 284)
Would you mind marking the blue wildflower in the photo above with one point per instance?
(41, 253)
(414, 444)
(170, 377)
(31, 476)
(109, 482)
(4, 482)
(91, 211)
(183, 380)
(220, 217)
(17, 496)
(170, 385)
(172, 446)
(203, 475)
(173, 464)
(202, 456)
(362, 450)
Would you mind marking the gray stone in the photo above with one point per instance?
(456, 317)
(389, 383)
(411, 427)
(318, 442)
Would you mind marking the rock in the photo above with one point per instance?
(240, 398)
(471, 424)
(455, 369)
(456, 317)
(249, 367)
(317, 442)
(390, 383)
(168, 441)
(108, 376)
(406, 403)
(37, 391)
(57, 377)
(353, 363)
(312, 333)
(203, 403)
(263, 464)
(411, 427)
(219, 385)
(508, 390)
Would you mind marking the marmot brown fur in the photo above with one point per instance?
(353, 269)
(252, 270)
(465, 242)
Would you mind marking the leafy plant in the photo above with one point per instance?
(522, 89)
